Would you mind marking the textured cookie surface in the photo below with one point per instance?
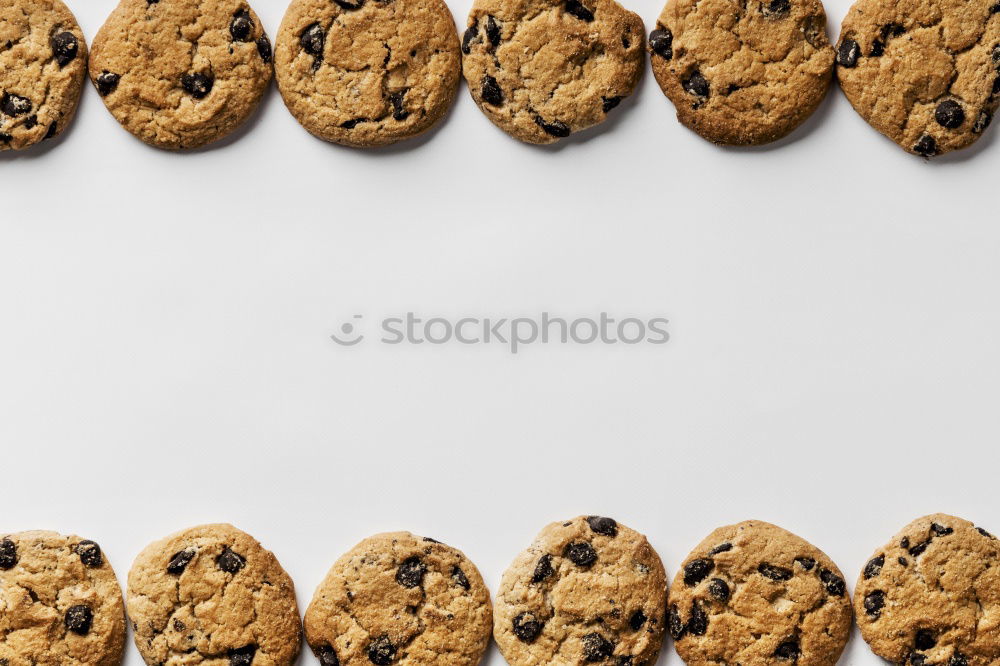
(742, 72)
(587, 591)
(543, 69)
(60, 603)
(181, 73)
(212, 595)
(932, 595)
(753, 593)
(926, 73)
(400, 599)
(43, 61)
(367, 72)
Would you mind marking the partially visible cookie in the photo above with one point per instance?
(60, 602)
(367, 72)
(589, 590)
(212, 595)
(753, 593)
(925, 73)
(43, 61)
(742, 72)
(543, 69)
(397, 598)
(932, 595)
(181, 73)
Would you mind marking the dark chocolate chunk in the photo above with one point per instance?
(197, 84)
(806, 563)
(919, 548)
(774, 572)
(543, 569)
(8, 549)
(696, 85)
(596, 648)
(719, 589)
(411, 572)
(242, 656)
(847, 53)
(470, 36)
(637, 620)
(721, 548)
(89, 552)
(14, 105)
(576, 8)
(788, 650)
(610, 103)
(493, 31)
(874, 567)
(264, 49)
(982, 122)
(230, 561)
(696, 571)
(958, 659)
(107, 83)
(313, 41)
(526, 627)
(981, 530)
(874, 601)
(697, 624)
(327, 656)
(78, 619)
(241, 27)
(491, 92)
(775, 9)
(350, 5)
(924, 640)
(661, 43)
(64, 47)
(381, 652)
(950, 115)
(834, 584)
(352, 123)
(399, 112)
(674, 623)
(601, 525)
(460, 579)
(580, 553)
(926, 147)
(180, 560)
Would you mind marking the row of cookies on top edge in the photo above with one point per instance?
(586, 591)
(184, 73)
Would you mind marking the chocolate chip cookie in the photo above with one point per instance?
(43, 61)
(926, 73)
(742, 72)
(589, 590)
(59, 602)
(932, 595)
(753, 593)
(400, 599)
(212, 595)
(181, 73)
(367, 72)
(543, 69)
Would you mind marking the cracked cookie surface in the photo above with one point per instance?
(212, 596)
(925, 73)
(586, 591)
(367, 73)
(60, 603)
(753, 593)
(932, 595)
(181, 73)
(543, 69)
(396, 598)
(742, 72)
(43, 61)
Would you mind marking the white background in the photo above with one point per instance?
(165, 359)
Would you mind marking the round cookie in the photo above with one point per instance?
(925, 73)
(59, 602)
(212, 595)
(367, 73)
(181, 73)
(399, 599)
(543, 69)
(586, 591)
(742, 72)
(42, 68)
(753, 593)
(932, 595)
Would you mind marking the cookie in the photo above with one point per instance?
(543, 69)
(181, 73)
(400, 599)
(586, 591)
(43, 61)
(925, 73)
(367, 72)
(753, 593)
(742, 72)
(59, 602)
(212, 595)
(932, 595)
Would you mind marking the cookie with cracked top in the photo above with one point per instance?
(212, 595)
(932, 595)
(59, 602)
(43, 62)
(925, 73)
(589, 590)
(368, 73)
(181, 73)
(397, 598)
(742, 72)
(753, 593)
(543, 69)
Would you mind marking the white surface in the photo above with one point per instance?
(165, 359)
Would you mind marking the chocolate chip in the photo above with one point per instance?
(620, 661)
(30, 122)
(230, 561)
(958, 659)
(78, 619)
(941, 530)
(493, 31)
(924, 640)
(926, 147)
(581, 554)
(904, 542)
(834, 584)
(637, 620)
(411, 572)
(543, 569)
(774, 572)
(806, 563)
(526, 627)
(596, 648)
(576, 8)
(950, 115)
(847, 53)
(89, 552)
(982, 122)
(8, 550)
(674, 623)
(874, 601)
(996, 86)
(51, 131)
(696, 84)
(697, 624)
(398, 111)
(775, 8)
(313, 41)
(930, 148)
(381, 652)
(14, 105)
(902, 560)
(891, 30)
(354, 122)
(179, 626)
(874, 567)
(350, 5)
(264, 49)
(599, 524)
(610, 103)
(180, 560)
(661, 43)
(327, 655)
(917, 659)
(719, 589)
(788, 650)
(470, 36)
(198, 84)
(460, 579)
(64, 47)
(107, 83)
(878, 48)
(695, 571)
(721, 548)
(242, 656)
(491, 92)
(5, 138)
(241, 27)
(995, 55)
(980, 529)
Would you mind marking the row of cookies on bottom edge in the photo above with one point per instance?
(586, 591)
(184, 73)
